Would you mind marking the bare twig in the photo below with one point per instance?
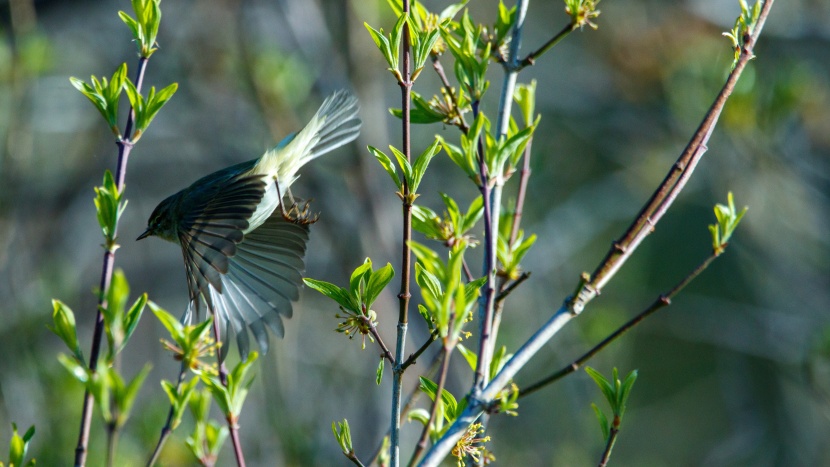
(385, 353)
(533, 56)
(412, 358)
(662, 301)
(125, 146)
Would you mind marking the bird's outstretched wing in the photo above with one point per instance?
(247, 280)
(263, 278)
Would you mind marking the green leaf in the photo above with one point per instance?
(338, 294)
(77, 370)
(603, 421)
(449, 401)
(357, 282)
(125, 396)
(426, 221)
(428, 282)
(604, 385)
(387, 165)
(403, 163)
(173, 326)
(379, 373)
(420, 415)
(146, 108)
(625, 391)
(64, 327)
(133, 316)
(421, 164)
(377, 282)
(728, 219)
(469, 355)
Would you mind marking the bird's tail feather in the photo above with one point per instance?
(336, 123)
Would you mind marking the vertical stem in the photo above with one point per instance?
(168, 425)
(125, 146)
(112, 443)
(406, 257)
(446, 352)
(492, 199)
(223, 377)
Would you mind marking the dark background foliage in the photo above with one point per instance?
(736, 372)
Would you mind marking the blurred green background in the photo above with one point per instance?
(736, 372)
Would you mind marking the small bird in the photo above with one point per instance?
(243, 251)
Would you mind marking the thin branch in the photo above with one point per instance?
(385, 353)
(524, 177)
(533, 56)
(609, 445)
(674, 181)
(573, 306)
(233, 428)
(510, 288)
(353, 457)
(439, 69)
(413, 357)
(446, 353)
(125, 146)
(661, 302)
(485, 313)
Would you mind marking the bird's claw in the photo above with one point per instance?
(300, 214)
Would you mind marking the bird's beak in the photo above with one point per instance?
(146, 234)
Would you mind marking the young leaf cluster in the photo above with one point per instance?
(728, 219)
(109, 207)
(231, 397)
(453, 227)
(105, 95)
(740, 35)
(208, 435)
(190, 342)
(145, 25)
(448, 301)
(18, 447)
(365, 285)
(616, 392)
(412, 173)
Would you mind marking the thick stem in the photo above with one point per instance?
(125, 146)
(406, 254)
(492, 199)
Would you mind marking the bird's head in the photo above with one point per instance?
(163, 221)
